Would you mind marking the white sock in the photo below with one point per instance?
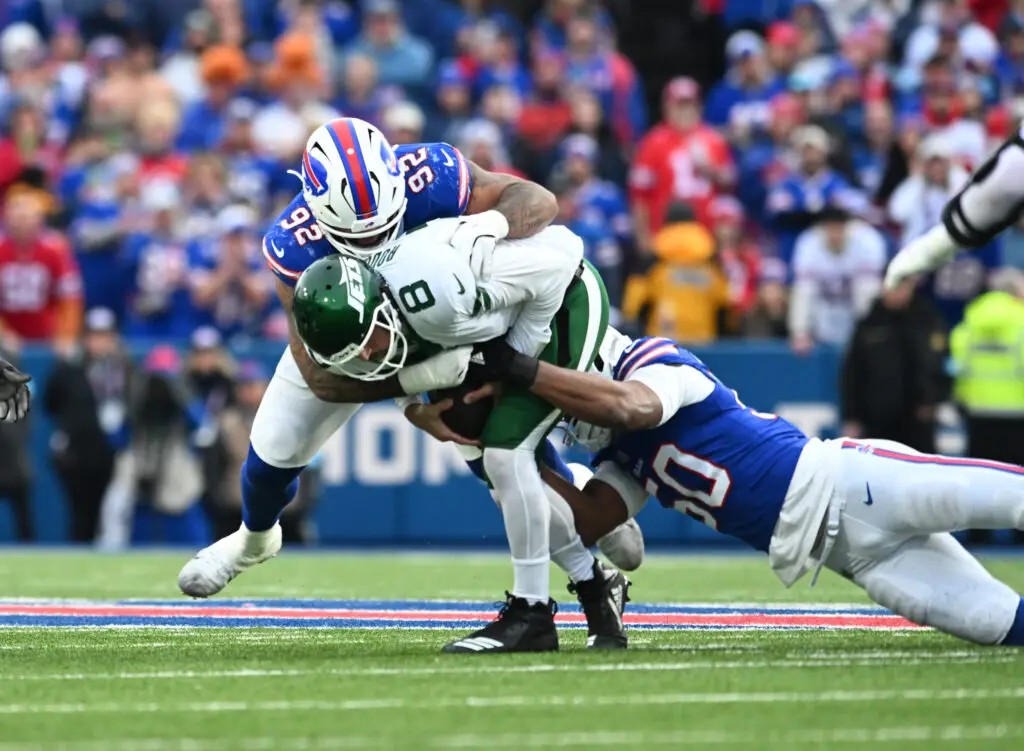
(532, 580)
(527, 515)
(575, 560)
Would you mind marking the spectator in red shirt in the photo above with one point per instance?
(680, 159)
(40, 287)
(26, 146)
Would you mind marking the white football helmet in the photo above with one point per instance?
(354, 186)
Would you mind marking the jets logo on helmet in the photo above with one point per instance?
(314, 175)
(358, 198)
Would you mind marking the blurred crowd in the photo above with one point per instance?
(754, 191)
(736, 168)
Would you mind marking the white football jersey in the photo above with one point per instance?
(444, 303)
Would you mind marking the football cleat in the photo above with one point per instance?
(519, 627)
(624, 546)
(213, 567)
(603, 600)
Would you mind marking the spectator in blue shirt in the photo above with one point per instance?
(97, 192)
(740, 101)
(401, 58)
(251, 177)
(454, 103)
(224, 70)
(595, 199)
(795, 203)
(229, 287)
(159, 302)
(498, 56)
(361, 95)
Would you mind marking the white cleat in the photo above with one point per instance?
(624, 546)
(213, 567)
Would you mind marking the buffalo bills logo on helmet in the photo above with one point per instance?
(388, 157)
(314, 174)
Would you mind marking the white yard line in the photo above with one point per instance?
(849, 659)
(517, 700)
(869, 736)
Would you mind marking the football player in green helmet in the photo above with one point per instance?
(367, 318)
(347, 321)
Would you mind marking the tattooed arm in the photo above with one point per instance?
(527, 206)
(327, 386)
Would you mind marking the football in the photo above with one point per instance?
(468, 420)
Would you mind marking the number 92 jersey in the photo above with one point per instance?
(438, 185)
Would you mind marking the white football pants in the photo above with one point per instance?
(894, 541)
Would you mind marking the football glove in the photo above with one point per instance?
(15, 397)
(476, 236)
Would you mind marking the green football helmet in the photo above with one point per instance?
(339, 303)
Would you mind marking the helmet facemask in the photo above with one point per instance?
(379, 366)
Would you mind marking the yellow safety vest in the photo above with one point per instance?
(987, 349)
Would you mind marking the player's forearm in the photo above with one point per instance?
(336, 389)
(527, 206)
(598, 400)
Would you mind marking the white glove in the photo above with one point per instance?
(591, 437)
(476, 235)
(442, 371)
(922, 256)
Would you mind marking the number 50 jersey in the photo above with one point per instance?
(714, 458)
(438, 185)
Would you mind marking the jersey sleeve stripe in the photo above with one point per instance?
(465, 188)
(276, 267)
(642, 346)
(648, 356)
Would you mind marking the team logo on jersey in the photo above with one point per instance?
(388, 157)
(314, 174)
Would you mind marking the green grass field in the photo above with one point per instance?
(193, 689)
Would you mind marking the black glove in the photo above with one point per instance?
(505, 364)
(15, 398)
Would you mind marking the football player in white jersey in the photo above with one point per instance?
(991, 201)
(424, 295)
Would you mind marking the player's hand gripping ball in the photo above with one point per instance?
(468, 420)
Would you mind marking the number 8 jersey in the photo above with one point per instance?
(712, 457)
(438, 185)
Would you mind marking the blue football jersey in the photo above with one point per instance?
(717, 460)
(438, 185)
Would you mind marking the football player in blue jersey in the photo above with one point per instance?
(877, 512)
(358, 195)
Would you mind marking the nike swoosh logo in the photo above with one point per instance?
(870, 501)
(448, 160)
(277, 251)
(462, 290)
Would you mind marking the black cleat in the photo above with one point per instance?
(519, 627)
(603, 600)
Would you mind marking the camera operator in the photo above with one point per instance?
(159, 477)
